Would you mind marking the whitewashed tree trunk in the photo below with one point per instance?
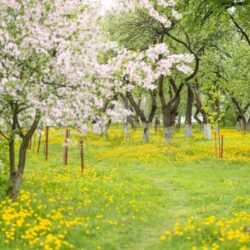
(146, 131)
(188, 130)
(168, 134)
(207, 131)
(105, 131)
(238, 126)
(126, 128)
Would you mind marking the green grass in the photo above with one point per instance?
(125, 202)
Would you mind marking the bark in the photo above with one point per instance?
(17, 173)
(237, 125)
(199, 109)
(248, 124)
(188, 118)
(126, 121)
(131, 121)
(137, 121)
(12, 157)
(106, 128)
(137, 118)
(157, 123)
(16, 176)
(126, 128)
(146, 120)
(14, 189)
(168, 122)
(240, 113)
(243, 124)
(107, 125)
(199, 121)
(168, 134)
(178, 126)
(169, 110)
(240, 29)
(146, 131)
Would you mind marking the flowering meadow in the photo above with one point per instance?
(132, 195)
(124, 125)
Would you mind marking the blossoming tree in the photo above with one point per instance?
(47, 56)
(151, 66)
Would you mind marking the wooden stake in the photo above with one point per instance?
(215, 145)
(47, 143)
(66, 147)
(39, 142)
(82, 155)
(222, 148)
(219, 137)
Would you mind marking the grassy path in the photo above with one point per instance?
(133, 196)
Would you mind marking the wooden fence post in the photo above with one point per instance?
(47, 143)
(82, 154)
(66, 147)
(215, 145)
(39, 142)
(222, 148)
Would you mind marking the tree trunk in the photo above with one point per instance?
(199, 121)
(169, 115)
(137, 121)
(12, 157)
(179, 122)
(188, 130)
(243, 124)
(16, 176)
(106, 128)
(146, 131)
(248, 125)
(157, 123)
(168, 134)
(15, 185)
(238, 125)
(126, 128)
(188, 118)
(207, 131)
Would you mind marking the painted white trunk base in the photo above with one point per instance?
(207, 131)
(168, 134)
(126, 130)
(188, 130)
(238, 126)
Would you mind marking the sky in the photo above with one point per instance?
(107, 4)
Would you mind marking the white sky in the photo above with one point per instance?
(107, 4)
